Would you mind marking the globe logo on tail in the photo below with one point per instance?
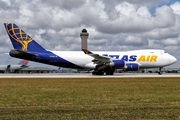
(19, 35)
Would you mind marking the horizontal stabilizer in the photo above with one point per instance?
(16, 52)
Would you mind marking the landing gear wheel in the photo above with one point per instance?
(112, 73)
(160, 73)
(109, 72)
(93, 73)
(98, 73)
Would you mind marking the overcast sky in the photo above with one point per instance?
(113, 25)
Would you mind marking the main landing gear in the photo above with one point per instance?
(100, 70)
(110, 72)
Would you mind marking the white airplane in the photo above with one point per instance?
(7, 68)
(102, 62)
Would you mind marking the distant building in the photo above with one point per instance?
(36, 70)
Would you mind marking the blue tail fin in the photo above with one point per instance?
(20, 39)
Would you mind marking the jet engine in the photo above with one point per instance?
(117, 64)
(132, 67)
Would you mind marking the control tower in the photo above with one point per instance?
(84, 36)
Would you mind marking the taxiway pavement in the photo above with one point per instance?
(89, 75)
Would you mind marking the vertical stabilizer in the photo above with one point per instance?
(20, 39)
(23, 62)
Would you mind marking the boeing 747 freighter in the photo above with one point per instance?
(100, 61)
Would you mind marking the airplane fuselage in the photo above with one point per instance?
(77, 59)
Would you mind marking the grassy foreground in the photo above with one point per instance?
(96, 98)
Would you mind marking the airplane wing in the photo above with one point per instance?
(98, 59)
(108, 61)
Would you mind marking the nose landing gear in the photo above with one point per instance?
(160, 72)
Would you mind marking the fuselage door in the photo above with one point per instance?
(161, 52)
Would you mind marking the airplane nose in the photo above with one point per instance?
(172, 60)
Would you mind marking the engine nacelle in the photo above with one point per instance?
(117, 64)
(132, 67)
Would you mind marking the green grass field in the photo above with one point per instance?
(103, 98)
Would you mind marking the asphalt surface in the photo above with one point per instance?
(89, 75)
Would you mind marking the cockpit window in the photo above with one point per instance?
(165, 52)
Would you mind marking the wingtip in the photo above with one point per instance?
(86, 51)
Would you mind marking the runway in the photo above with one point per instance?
(89, 75)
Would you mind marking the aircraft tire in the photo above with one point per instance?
(107, 73)
(98, 73)
(110, 72)
(93, 73)
(160, 73)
